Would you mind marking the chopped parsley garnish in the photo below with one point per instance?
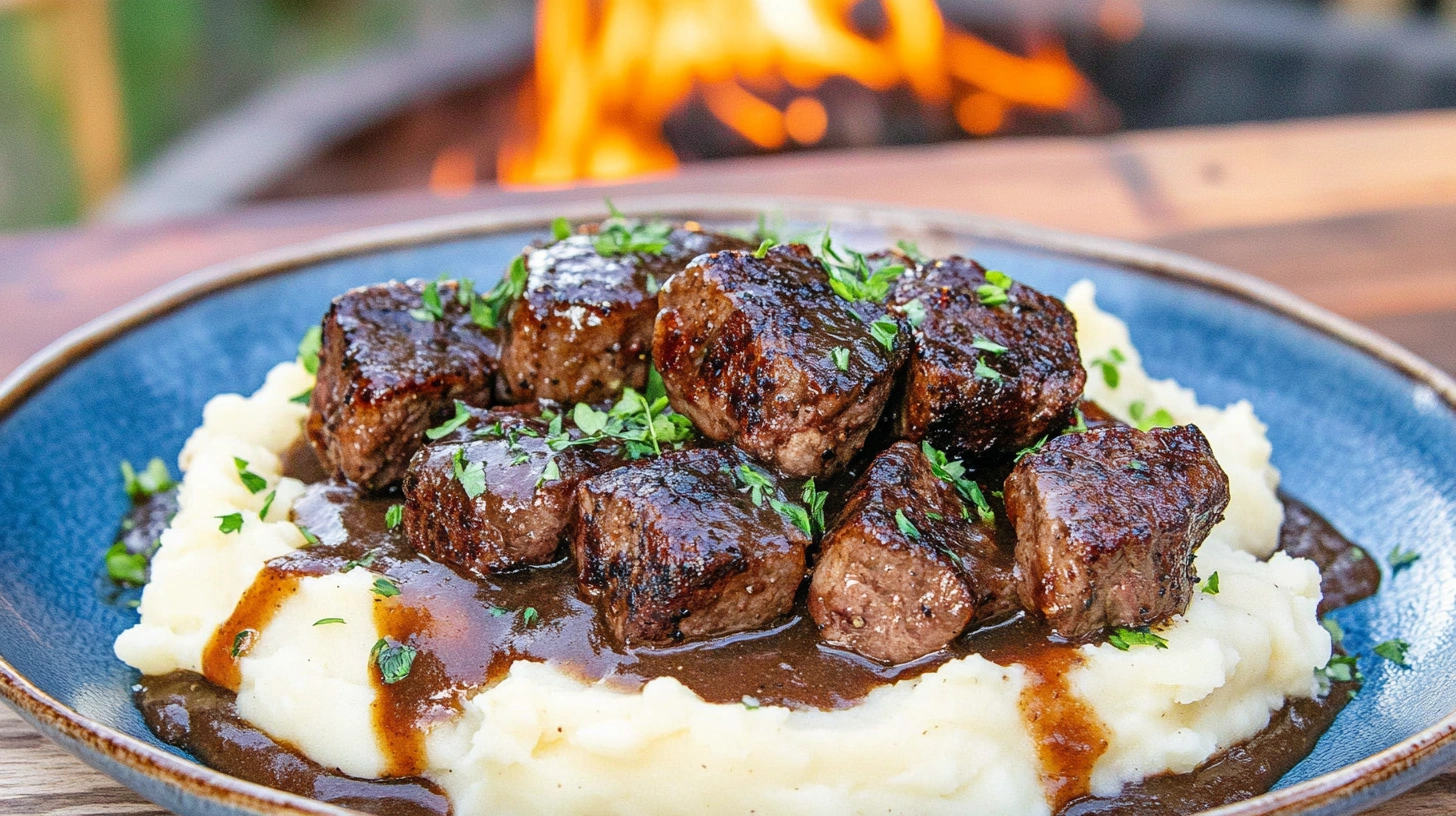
(394, 660)
(471, 476)
(327, 621)
(1400, 558)
(1357, 554)
(385, 587)
(986, 344)
(126, 567)
(465, 292)
(1343, 669)
(243, 641)
(1210, 586)
(497, 612)
(885, 331)
(754, 482)
(309, 347)
(914, 312)
(486, 310)
(1144, 421)
(589, 420)
(302, 399)
(986, 372)
(1079, 423)
(530, 616)
(954, 473)
(1123, 638)
(1136, 464)
(560, 229)
(1030, 449)
(750, 703)
(620, 235)
(550, 473)
(814, 498)
(365, 561)
(393, 516)
(433, 309)
(643, 425)
(1108, 366)
(906, 527)
(1394, 651)
(462, 416)
(840, 355)
(851, 275)
(149, 482)
(764, 247)
(651, 284)
(1337, 634)
(309, 539)
(995, 291)
(252, 481)
(797, 515)
(911, 250)
(231, 523)
(267, 504)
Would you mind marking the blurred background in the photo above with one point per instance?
(136, 110)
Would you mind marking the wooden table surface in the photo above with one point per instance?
(1357, 215)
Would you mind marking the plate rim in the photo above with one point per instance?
(1343, 790)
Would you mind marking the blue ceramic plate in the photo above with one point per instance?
(1362, 431)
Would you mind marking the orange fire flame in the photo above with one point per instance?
(609, 73)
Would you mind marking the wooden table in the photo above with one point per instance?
(1357, 215)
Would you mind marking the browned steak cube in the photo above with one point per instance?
(993, 368)
(684, 546)
(909, 565)
(582, 329)
(1107, 522)
(390, 368)
(523, 478)
(762, 352)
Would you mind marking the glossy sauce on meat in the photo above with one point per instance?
(470, 630)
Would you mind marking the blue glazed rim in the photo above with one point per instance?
(142, 766)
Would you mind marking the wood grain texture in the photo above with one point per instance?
(1356, 215)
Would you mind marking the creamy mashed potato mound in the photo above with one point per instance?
(542, 741)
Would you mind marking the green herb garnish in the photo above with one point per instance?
(529, 616)
(267, 504)
(327, 621)
(953, 472)
(914, 312)
(1123, 638)
(620, 235)
(560, 229)
(433, 309)
(243, 641)
(797, 515)
(851, 275)
(155, 479)
(1395, 651)
(906, 527)
(394, 660)
(471, 476)
(1343, 669)
(840, 355)
(462, 416)
(814, 499)
(231, 523)
(252, 481)
(1108, 366)
(986, 372)
(1337, 634)
(126, 567)
(393, 516)
(1030, 449)
(1144, 421)
(302, 399)
(763, 248)
(309, 347)
(364, 561)
(995, 291)
(986, 344)
(385, 587)
(754, 482)
(1210, 586)
(309, 539)
(885, 331)
(1400, 558)
(911, 250)
(486, 310)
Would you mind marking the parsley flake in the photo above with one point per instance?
(986, 372)
(550, 473)
(1079, 423)
(309, 348)
(231, 523)
(385, 587)
(620, 235)
(393, 516)
(267, 504)
(560, 229)
(1108, 366)
(763, 248)
(486, 310)
(471, 476)
(433, 309)
(914, 312)
(364, 561)
(1342, 669)
(885, 331)
(1030, 449)
(1145, 421)
(996, 290)
(327, 621)
(1337, 634)
(953, 472)
(796, 515)
(911, 250)
(906, 527)
(1123, 638)
(394, 660)
(750, 703)
(840, 355)
(309, 539)
(987, 344)
(530, 616)
(155, 479)
(1400, 558)
(302, 399)
(462, 416)
(243, 641)
(1395, 651)
(814, 499)
(126, 567)
(852, 276)
(252, 481)
(1136, 464)
(1210, 586)
(754, 482)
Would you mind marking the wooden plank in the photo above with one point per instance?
(37, 777)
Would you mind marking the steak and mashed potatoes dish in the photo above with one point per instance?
(671, 521)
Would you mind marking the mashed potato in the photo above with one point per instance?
(541, 741)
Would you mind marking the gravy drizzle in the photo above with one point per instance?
(469, 630)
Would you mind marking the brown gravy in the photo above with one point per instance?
(469, 630)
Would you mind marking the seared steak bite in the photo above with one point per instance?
(496, 493)
(762, 352)
(394, 358)
(994, 366)
(1107, 522)
(909, 565)
(687, 545)
(582, 328)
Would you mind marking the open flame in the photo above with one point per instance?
(609, 73)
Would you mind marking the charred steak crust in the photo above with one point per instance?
(894, 596)
(1107, 522)
(583, 327)
(385, 376)
(1035, 383)
(674, 549)
(746, 347)
(522, 517)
